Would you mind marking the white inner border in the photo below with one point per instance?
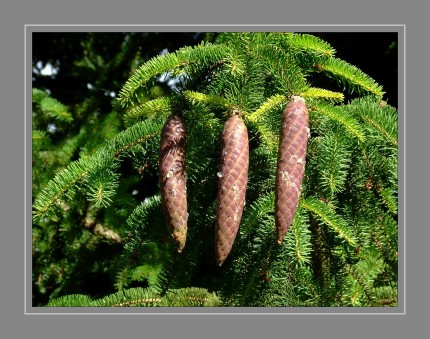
(357, 310)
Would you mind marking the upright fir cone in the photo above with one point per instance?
(233, 178)
(291, 163)
(172, 178)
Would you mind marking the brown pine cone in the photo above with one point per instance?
(173, 180)
(291, 163)
(233, 178)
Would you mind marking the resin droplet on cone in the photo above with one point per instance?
(291, 163)
(172, 178)
(233, 178)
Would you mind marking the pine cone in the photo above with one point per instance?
(173, 180)
(233, 178)
(291, 164)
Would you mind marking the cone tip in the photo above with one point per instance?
(219, 262)
(298, 98)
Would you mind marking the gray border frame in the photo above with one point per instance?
(400, 29)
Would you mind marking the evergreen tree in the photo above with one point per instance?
(91, 220)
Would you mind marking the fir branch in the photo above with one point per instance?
(208, 99)
(384, 234)
(155, 66)
(380, 119)
(351, 75)
(145, 227)
(255, 212)
(140, 232)
(283, 289)
(37, 95)
(274, 102)
(385, 296)
(101, 186)
(361, 280)
(75, 172)
(191, 297)
(38, 136)
(288, 76)
(390, 199)
(380, 129)
(392, 171)
(330, 218)
(235, 62)
(261, 176)
(40, 140)
(322, 93)
(59, 185)
(205, 54)
(246, 275)
(298, 240)
(267, 136)
(70, 300)
(308, 51)
(201, 147)
(147, 272)
(333, 161)
(51, 106)
(139, 218)
(137, 134)
(165, 279)
(341, 116)
(140, 297)
(159, 107)
(134, 297)
(307, 43)
(244, 85)
(262, 120)
(123, 277)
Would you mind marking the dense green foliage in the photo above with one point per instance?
(99, 234)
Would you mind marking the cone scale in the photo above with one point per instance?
(173, 180)
(233, 178)
(291, 164)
